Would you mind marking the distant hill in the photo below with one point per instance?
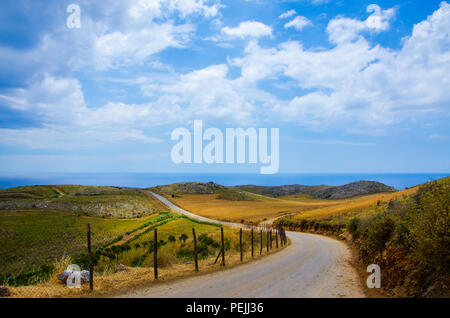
(321, 192)
(224, 193)
(248, 192)
(189, 188)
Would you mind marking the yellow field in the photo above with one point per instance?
(353, 205)
(251, 211)
(208, 205)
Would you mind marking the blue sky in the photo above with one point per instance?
(353, 86)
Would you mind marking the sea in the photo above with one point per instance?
(399, 181)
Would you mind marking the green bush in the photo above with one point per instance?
(429, 226)
(378, 234)
(353, 227)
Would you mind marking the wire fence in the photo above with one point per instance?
(84, 258)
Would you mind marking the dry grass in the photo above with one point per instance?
(353, 205)
(114, 284)
(208, 205)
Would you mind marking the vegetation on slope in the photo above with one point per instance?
(85, 200)
(409, 237)
(321, 192)
(30, 241)
(223, 193)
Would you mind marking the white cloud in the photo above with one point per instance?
(209, 93)
(343, 29)
(65, 122)
(298, 23)
(116, 49)
(379, 20)
(157, 8)
(287, 14)
(338, 142)
(248, 29)
(319, 2)
(357, 87)
(353, 86)
(438, 137)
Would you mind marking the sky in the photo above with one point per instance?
(352, 86)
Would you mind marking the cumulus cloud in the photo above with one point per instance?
(353, 85)
(298, 23)
(248, 29)
(356, 86)
(343, 29)
(210, 93)
(287, 14)
(117, 49)
(65, 122)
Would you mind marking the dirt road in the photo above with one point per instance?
(312, 266)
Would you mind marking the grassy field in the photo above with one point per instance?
(175, 244)
(212, 206)
(348, 207)
(133, 248)
(33, 238)
(87, 200)
(40, 241)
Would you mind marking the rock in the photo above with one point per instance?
(64, 276)
(120, 268)
(188, 263)
(4, 291)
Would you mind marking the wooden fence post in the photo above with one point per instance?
(261, 247)
(276, 238)
(91, 262)
(267, 241)
(195, 250)
(271, 245)
(155, 255)
(223, 247)
(240, 244)
(252, 241)
(280, 232)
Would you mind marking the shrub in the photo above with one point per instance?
(353, 227)
(183, 237)
(429, 226)
(378, 234)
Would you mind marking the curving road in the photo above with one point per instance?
(311, 266)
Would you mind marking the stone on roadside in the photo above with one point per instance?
(4, 291)
(64, 276)
(120, 268)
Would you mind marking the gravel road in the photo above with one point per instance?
(311, 266)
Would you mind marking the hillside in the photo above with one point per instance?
(407, 235)
(86, 200)
(321, 192)
(222, 192)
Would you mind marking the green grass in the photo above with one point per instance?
(31, 239)
(87, 200)
(138, 252)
